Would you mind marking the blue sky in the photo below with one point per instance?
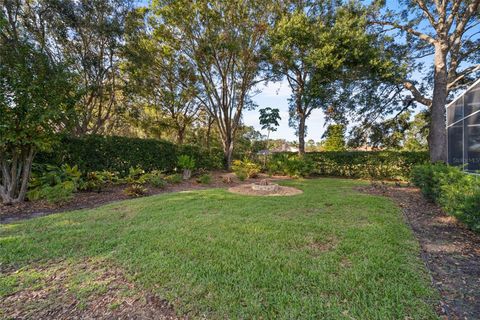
(275, 95)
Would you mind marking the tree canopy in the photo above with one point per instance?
(325, 52)
(35, 98)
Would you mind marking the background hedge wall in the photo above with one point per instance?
(360, 164)
(97, 153)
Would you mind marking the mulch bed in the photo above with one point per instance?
(450, 251)
(86, 200)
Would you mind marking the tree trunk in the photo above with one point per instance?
(437, 139)
(267, 150)
(15, 176)
(228, 153)
(209, 132)
(180, 135)
(301, 135)
(27, 169)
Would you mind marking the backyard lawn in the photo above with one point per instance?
(330, 252)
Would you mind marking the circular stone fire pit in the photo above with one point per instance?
(264, 188)
(264, 185)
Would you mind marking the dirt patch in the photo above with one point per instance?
(90, 289)
(316, 247)
(86, 200)
(450, 251)
(246, 189)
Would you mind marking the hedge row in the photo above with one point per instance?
(113, 153)
(458, 193)
(356, 164)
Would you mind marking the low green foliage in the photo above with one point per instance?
(54, 194)
(205, 178)
(157, 179)
(428, 178)
(245, 169)
(135, 190)
(186, 162)
(52, 175)
(55, 184)
(136, 176)
(291, 165)
(455, 191)
(174, 178)
(350, 164)
(329, 253)
(97, 180)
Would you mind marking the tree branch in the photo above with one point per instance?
(410, 30)
(460, 28)
(463, 74)
(429, 15)
(417, 95)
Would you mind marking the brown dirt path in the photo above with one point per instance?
(451, 252)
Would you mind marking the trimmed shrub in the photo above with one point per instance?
(245, 169)
(350, 164)
(205, 179)
(291, 165)
(456, 192)
(119, 154)
(428, 178)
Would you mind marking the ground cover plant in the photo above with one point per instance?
(457, 192)
(331, 252)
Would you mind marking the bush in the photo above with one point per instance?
(135, 190)
(241, 175)
(157, 179)
(245, 169)
(59, 193)
(204, 159)
(118, 154)
(205, 179)
(49, 175)
(186, 162)
(456, 192)
(55, 184)
(136, 176)
(95, 181)
(350, 164)
(427, 178)
(174, 178)
(291, 165)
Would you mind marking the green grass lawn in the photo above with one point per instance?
(330, 252)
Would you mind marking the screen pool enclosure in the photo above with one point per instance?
(463, 129)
